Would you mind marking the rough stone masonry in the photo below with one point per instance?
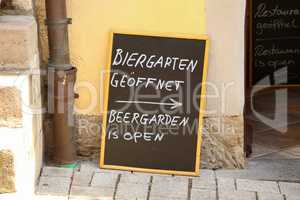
(21, 136)
(7, 174)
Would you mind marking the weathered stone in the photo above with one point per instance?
(163, 198)
(57, 172)
(10, 107)
(40, 10)
(206, 181)
(223, 143)
(169, 187)
(132, 191)
(265, 169)
(237, 195)
(198, 194)
(91, 193)
(257, 186)
(48, 197)
(166, 179)
(26, 141)
(135, 178)
(207, 174)
(290, 189)
(56, 186)
(269, 196)
(88, 166)
(226, 184)
(88, 135)
(108, 180)
(19, 47)
(292, 197)
(22, 4)
(16, 5)
(7, 174)
(82, 178)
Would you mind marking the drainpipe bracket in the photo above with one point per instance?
(64, 67)
(58, 21)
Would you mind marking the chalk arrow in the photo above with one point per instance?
(174, 104)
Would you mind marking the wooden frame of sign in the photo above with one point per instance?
(252, 63)
(196, 167)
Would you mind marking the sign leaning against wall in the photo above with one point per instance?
(154, 101)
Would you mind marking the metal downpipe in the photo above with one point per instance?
(61, 80)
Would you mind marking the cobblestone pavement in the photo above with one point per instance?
(90, 183)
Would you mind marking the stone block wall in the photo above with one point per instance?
(10, 107)
(21, 135)
(223, 143)
(19, 7)
(23, 4)
(7, 173)
(18, 35)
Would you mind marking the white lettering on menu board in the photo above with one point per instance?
(120, 80)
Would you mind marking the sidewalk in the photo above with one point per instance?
(90, 183)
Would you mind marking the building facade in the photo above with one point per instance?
(92, 21)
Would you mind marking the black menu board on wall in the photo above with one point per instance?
(154, 103)
(275, 42)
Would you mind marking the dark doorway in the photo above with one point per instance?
(272, 113)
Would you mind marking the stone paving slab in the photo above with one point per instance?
(237, 195)
(199, 194)
(226, 184)
(47, 197)
(56, 186)
(264, 169)
(207, 173)
(90, 183)
(135, 178)
(57, 172)
(269, 196)
(90, 166)
(91, 193)
(163, 198)
(169, 179)
(206, 180)
(132, 192)
(104, 180)
(82, 178)
(169, 187)
(292, 189)
(257, 186)
(288, 197)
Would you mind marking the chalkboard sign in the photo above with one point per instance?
(275, 42)
(154, 103)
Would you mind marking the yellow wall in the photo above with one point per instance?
(93, 19)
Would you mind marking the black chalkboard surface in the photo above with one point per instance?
(154, 103)
(275, 42)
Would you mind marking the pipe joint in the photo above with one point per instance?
(54, 22)
(60, 66)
